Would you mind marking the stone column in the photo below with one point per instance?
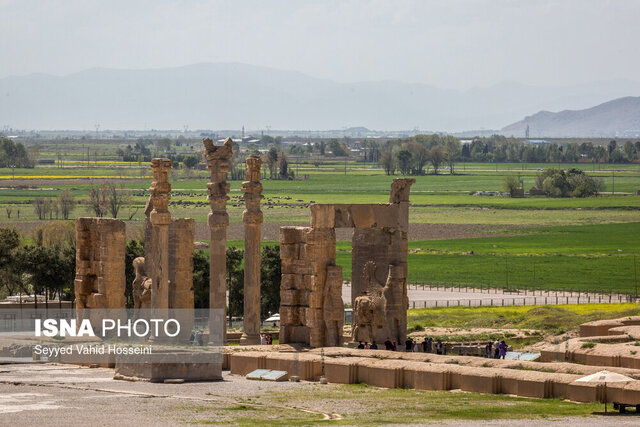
(160, 219)
(218, 163)
(252, 218)
(181, 234)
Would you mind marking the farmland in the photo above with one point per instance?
(458, 236)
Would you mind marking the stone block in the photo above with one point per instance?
(383, 374)
(289, 297)
(363, 216)
(341, 371)
(322, 216)
(584, 392)
(289, 315)
(291, 281)
(291, 235)
(290, 251)
(343, 216)
(243, 363)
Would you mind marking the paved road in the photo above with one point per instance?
(423, 298)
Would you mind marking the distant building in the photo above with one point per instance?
(536, 141)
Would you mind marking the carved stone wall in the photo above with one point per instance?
(307, 292)
(100, 264)
(378, 270)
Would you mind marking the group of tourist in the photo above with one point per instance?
(366, 346)
(426, 346)
(196, 338)
(496, 350)
(266, 339)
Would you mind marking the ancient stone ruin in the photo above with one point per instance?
(311, 309)
(252, 218)
(218, 160)
(308, 304)
(164, 277)
(100, 252)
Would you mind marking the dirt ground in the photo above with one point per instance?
(63, 395)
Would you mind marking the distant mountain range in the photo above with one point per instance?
(620, 117)
(231, 95)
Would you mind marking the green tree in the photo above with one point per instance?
(451, 151)
(66, 203)
(200, 279)
(272, 161)
(510, 183)
(404, 161)
(235, 281)
(338, 149)
(629, 150)
(270, 275)
(418, 156)
(388, 162)
(191, 161)
(435, 157)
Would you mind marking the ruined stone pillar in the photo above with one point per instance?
(218, 163)
(160, 219)
(252, 218)
(181, 235)
(100, 268)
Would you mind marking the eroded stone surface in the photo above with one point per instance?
(252, 218)
(309, 309)
(218, 160)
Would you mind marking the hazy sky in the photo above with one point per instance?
(447, 43)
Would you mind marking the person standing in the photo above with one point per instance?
(424, 345)
(439, 347)
(388, 345)
(496, 350)
(429, 345)
(488, 350)
(503, 350)
(408, 344)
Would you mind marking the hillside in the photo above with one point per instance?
(620, 117)
(232, 95)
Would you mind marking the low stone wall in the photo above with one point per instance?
(410, 370)
(599, 328)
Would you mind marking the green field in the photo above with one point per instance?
(597, 258)
(543, 318)
(540, 242)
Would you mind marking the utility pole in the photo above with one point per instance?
(613, 182)
(635, 274)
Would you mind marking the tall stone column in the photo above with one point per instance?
(160, 219)
(218, 163)
(252, 218)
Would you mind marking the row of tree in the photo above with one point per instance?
(106, 199)
(410, 156)
(45, 266)
(15, 155)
